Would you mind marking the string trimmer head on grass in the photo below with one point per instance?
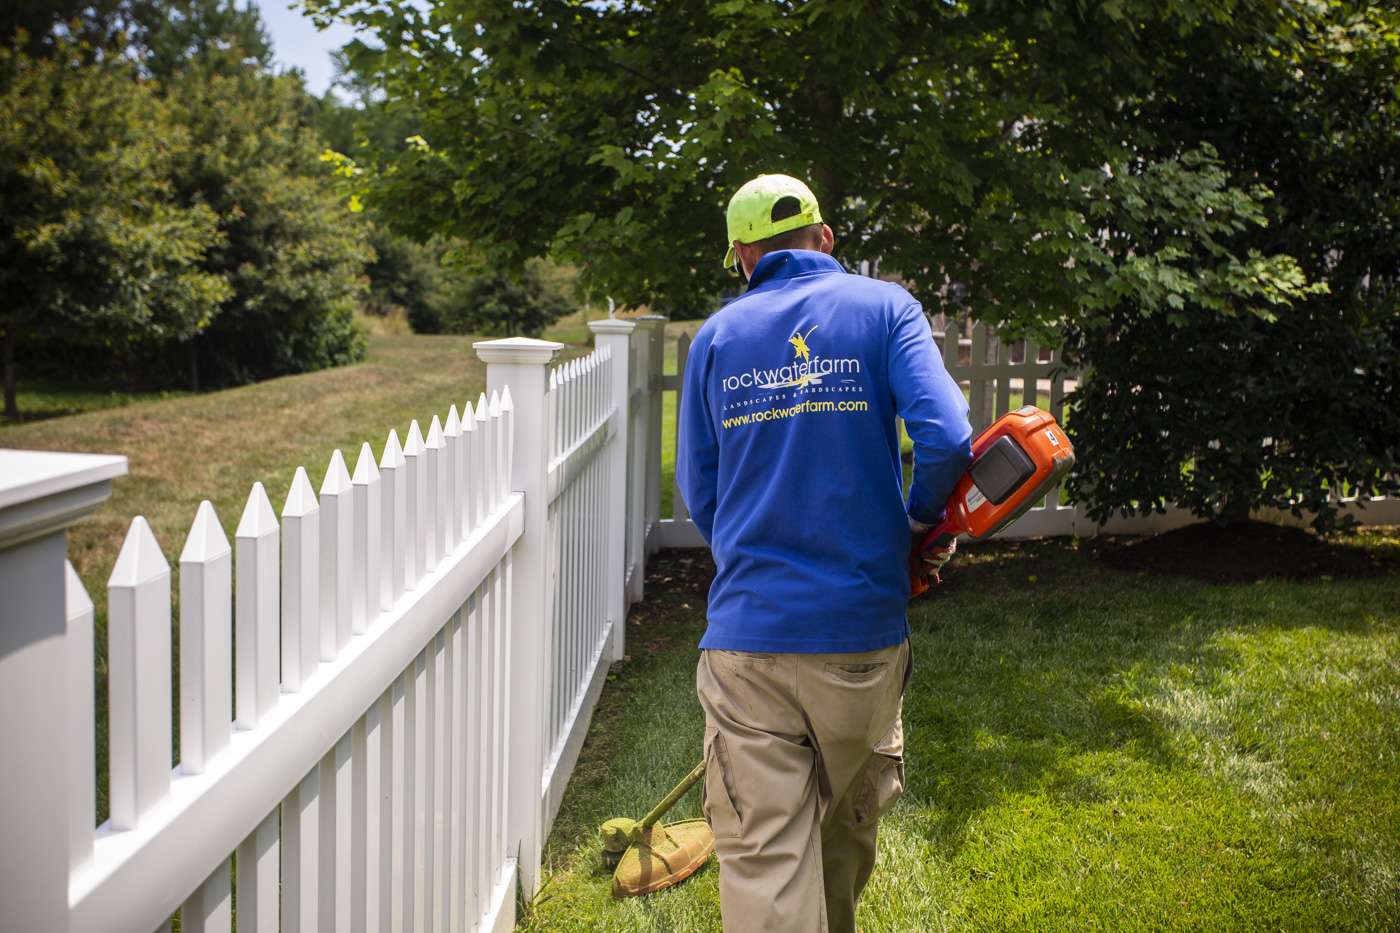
(647, 856)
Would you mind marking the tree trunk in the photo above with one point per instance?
(11, 404)
(194, 363)
(827, 106)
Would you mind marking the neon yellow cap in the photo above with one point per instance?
(750, 213)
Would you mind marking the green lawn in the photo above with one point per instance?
(1087, 749)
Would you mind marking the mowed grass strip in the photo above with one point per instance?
(215, 446)
(1087, 749)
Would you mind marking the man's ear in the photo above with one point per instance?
(743, 253)
(828, 240)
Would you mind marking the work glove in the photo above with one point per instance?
(933, 560)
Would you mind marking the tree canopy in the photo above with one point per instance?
(96, 246)
(1129, 174)
(983, 144)
(165, 208)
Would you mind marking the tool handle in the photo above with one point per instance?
(670, 799)
(935, 538)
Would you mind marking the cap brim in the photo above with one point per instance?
(729, 257)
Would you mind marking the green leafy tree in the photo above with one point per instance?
(292, 254)
(96, 247)
(354, 115)
(1076, 170)
(168, 35)
(289, 256)
(403, 274)
(947, 141)
(352, 119)
(1255, 404)
(496, 303)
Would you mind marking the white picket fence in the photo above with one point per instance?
(381, 696)
(998, 377)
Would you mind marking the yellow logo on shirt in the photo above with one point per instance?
(799, 343)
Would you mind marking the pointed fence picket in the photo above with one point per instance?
(415, 455)
(256, 609)
(138, 652)
(206, 642)
(365, 542)
(301, 583)
(337, 556)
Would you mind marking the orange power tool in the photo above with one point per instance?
(1014, 463)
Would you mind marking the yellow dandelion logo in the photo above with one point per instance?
(799, 344)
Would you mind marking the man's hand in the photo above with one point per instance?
(933, 560)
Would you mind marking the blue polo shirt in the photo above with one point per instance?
(788, 455)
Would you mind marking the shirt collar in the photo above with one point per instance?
(789, 263)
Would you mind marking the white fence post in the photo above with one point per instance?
(41, 494)
(655, 325)
(616, 337)
(637, 422)
(520, 364)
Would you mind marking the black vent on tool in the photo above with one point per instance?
(1001, 469)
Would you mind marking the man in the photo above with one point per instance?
(789, 462)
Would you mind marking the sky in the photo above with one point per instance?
(297, 43)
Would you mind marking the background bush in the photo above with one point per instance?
(167, 218)
(1263, 399)
(492, 303)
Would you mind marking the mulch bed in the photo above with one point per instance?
(1242, 552)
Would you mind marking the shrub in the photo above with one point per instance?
(496, 304)
(1235, 413)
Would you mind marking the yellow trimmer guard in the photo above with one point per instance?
(663, 856)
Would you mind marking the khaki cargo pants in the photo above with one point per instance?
(803, 753)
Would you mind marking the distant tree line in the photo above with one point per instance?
(167, 215)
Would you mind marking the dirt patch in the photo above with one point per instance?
(682, 570)
(1246, 551)
(677, 588)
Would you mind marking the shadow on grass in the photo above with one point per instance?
(1065, 705)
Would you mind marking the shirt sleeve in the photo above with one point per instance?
(697, 448)
(934, 413)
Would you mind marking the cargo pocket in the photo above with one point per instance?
(716, 802)
(883, 780)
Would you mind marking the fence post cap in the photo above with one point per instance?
(645, 318)
(612, 326)
(43, 491)
(526, 350)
